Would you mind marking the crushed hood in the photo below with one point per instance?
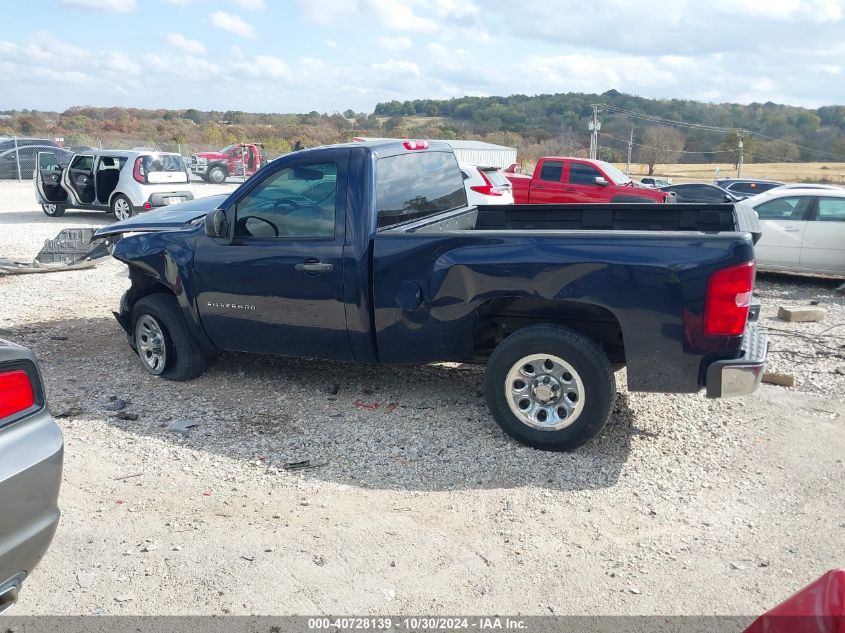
(172, 218)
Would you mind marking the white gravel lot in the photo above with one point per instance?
(682, 506)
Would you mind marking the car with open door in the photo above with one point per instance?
(115, 181)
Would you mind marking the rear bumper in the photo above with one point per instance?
(162, 199)
(739, 376)
(31, 454)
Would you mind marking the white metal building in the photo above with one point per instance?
(470, 152)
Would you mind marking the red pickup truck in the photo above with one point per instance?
(559, 179)
(240, 159)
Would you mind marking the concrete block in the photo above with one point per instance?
(775, 378)
(801, 314)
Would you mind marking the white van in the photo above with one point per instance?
(116, 181)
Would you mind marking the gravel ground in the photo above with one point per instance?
(683, 505)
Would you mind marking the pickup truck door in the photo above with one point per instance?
(547, 186)
(275, 285)
(783, 221)
(823, 246)
(581, 184)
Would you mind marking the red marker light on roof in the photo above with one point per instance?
(415, 144)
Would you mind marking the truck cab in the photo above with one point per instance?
(563, 179)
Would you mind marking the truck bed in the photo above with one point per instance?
(707, 218)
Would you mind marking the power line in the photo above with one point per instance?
(612, 109)
(680, 151)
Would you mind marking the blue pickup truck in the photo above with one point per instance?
(370, 253)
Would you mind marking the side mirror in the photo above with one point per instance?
(216, 224)
(601, 181)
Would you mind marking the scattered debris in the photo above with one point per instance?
(70, 412)
(248, 558)
(319, 561)
(634, 590)
(389, 594)
(775, 378)
(58, 338)
(125, 415)
(116, 405)
(182, 426)
(128, 477)
(738, 566)
(391, 408)
(367, 405)
(304, 464)
(71, 249)
(85, 579)
(800, 314)
(334, 389)
(840, 371)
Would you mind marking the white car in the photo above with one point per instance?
(486, 185)
(803, 231)
(655, 183)
(122, 182)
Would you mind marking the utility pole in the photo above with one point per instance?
(630, 146)
(739, 158)
(594, 126)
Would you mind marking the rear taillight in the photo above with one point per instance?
(487, 188)
(16, 392)
(728, 300)
(415, 144)
(138, 171)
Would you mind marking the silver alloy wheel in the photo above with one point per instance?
(544, 392)
(122, 210)
(152, 346)
(49, 209)
(217, 175)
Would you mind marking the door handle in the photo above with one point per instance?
(539, 187)
(314, 266)
(570, 189)
(790, 229)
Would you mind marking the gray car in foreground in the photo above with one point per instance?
(31, 452)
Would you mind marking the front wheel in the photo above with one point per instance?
(162, 341)
(122, 207)
(549, 387)
(217, 175)
(53, 209)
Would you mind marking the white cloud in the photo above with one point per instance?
(263, 67)
(393, 66)
(819, 11)
(395, 43)
(177, 40)
(331, 44)
(252, 5)
(232, 23)
(118, 6)
(394, 15)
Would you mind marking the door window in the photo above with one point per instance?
(82, 163)
(295, 202)
(552, 171)
(48, 160)
(791, 208)
(581, 174)
(831, 210)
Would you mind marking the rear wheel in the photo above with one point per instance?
(549, 387)
(217, 175)
(53, 209)
(122, 207)
(162, 340)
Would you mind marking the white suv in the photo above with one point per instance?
(122, 182)
(486, 185)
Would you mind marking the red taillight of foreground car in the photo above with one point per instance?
(486, 189)
(16, 392)
(137, 171)
(728, 300)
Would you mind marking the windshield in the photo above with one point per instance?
(228, 149)
(618, 177)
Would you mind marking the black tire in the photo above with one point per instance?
(53, 209)
(183, 359)
(217, 175)
(593, 374)
(121, 207)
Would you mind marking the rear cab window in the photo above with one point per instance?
(416, 185)
(552, 171)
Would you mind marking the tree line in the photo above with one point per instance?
(554, 124)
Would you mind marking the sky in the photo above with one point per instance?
(331, 55)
